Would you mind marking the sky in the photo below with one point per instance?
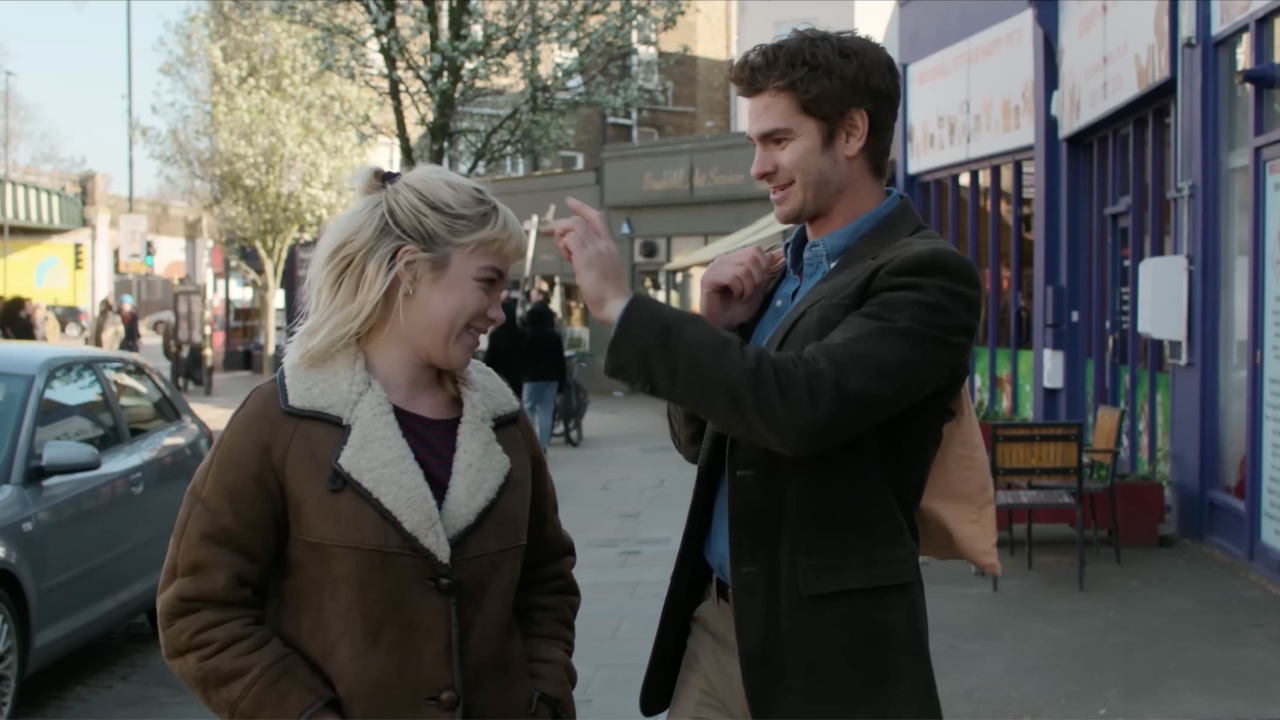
(69, 60)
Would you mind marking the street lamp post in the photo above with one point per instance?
(128, 35)
(5, 190)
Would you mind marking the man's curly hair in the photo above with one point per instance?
(829, 73)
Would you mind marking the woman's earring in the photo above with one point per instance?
(408, 290)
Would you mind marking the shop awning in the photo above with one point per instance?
(764, 229)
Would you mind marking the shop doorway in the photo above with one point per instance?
(1125, 198)
(1264, 403)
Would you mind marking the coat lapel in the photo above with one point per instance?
(901, 223)
(375, 456)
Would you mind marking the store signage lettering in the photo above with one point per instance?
(714, 176)
(974, 99)
(1111, 51)
(665, 180)
(1269, 525)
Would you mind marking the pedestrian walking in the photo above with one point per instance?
(375, 534)
(48, 328)
(506, 347)
(812, 393)
(16, 322)
(544, 369)
(132, 340)
(108, 328)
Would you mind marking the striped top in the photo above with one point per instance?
(433, 443)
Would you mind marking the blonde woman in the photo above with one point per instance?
(376, 534)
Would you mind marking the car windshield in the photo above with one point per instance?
(13, 398)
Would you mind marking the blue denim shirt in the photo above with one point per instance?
(807, 263)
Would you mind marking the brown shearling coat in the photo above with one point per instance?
(311, 566)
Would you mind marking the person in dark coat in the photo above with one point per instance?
(506, 347)
(811, 393)
(16, 320)
(543, 368)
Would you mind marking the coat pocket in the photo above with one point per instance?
(878, 568)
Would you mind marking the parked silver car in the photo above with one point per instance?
(96, 452)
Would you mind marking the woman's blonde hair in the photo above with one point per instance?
(431, 209)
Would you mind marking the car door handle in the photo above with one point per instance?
(136, 483)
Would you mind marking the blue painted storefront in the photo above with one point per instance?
(1094, 220)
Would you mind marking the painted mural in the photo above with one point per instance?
(44, 270)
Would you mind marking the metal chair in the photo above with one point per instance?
(1101, 456)
(1024, 454)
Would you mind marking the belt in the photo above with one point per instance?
(723, 591)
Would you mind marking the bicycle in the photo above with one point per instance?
(571, 405)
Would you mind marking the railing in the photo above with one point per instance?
(34, 207)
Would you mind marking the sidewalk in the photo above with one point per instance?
(229, 390)
(1177, 632)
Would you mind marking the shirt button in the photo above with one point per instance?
(778, 304)
(449, 700)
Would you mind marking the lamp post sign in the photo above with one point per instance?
(133, 237)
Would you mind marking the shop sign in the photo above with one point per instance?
(724, 174)
(719, 174)
(1270, 425)
(1110, 51)
(1224, 12)
(974, 99)
(646, 180)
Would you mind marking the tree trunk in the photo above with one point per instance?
(267, 305)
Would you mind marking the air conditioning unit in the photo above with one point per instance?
(649, 251)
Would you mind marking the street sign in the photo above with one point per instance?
(133, 237)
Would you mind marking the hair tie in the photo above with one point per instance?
(389, 177)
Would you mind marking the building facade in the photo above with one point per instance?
(1135, 165)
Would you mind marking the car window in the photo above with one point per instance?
(73, 406)
(145, 407)
(13, 399)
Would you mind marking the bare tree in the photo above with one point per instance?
(481, 81)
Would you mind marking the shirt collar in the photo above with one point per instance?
(828, 249)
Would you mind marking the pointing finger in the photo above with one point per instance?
(593, 218)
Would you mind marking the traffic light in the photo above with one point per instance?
(79, 256)
(151, 254)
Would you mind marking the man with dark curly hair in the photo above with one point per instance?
(812, 394)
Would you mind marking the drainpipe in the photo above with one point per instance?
(1181, 194)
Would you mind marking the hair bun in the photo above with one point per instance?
(369, 181)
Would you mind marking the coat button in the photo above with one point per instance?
(449, 699)
(446, 585)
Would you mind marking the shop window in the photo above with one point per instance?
(1233, 306)
(1271, 98)
(983, 254)
(1026, 264)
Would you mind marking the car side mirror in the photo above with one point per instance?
(62, 457)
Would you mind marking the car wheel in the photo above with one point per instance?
(73, 330)
(12, 639)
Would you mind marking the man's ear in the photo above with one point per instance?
(853, 132)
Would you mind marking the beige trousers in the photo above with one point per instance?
(710, 683)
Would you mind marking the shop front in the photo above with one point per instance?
(1115, 113)
(1237, 128)
(969, 131)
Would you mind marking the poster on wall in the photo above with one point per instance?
(1270, 425)
(1222, 13)
(1110, 51)
(973, 99)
